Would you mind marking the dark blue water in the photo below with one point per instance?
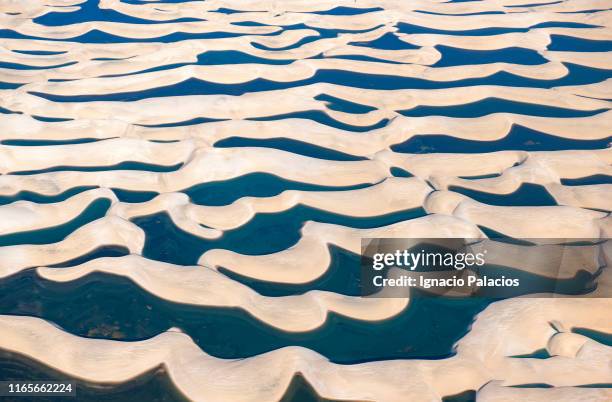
(289, 145)
(515, 55)
(17, 66)
(165, 1)
(43, 199)
(386, 42)
(129, 313)
(598, 10)
(496, 105)
(341, 10)
(148, 167)
(39, 52)
(9, 85)
(578, 75)
(580, 284)
(460, 15)
(360, 57)
(537, 354)
(323, 118)
(33, 143)
(53, 234)
(212, 193)
(466, 396)
(519, 138)
(50, 119)
(252, 185)
(416, 29)
(100, 252)
(154, 386)
(322, 33)
(493, 234)
(564, 43)
(600, 337)
(482, 176)
(343, 105)
(585, 181)
(248, 24)
(212, 57)
(197, 120)
(300, 390)
(110, 307)
(399, 172)
(343, 276)
(327, 32)
(7, 111)
(217, 57)
(265, 233)
(89, 11)
(134, 196)
(527, 194)
(533, 4)
(96, 36)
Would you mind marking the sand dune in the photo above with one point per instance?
(204, 287)
(481, 356)
(427, 119)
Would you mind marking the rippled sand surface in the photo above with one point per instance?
(184, 186)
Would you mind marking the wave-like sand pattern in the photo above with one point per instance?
(155, 111)
(480, 358)
(300, 127)
(205, 287)
(492, 127)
